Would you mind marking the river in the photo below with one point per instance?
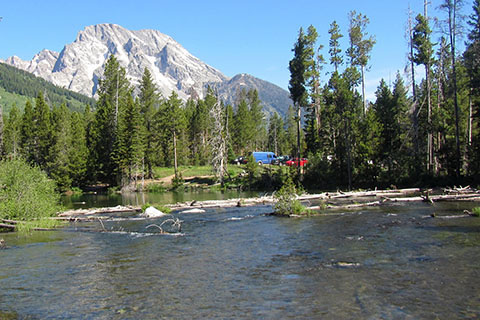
(391, 262)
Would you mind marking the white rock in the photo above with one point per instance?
(152, 212)
(193, 211)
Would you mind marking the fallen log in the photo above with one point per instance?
(7, 226)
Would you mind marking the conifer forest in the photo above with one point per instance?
(422, 129)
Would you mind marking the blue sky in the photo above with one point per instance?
(249, 36)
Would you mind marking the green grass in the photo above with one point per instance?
(26, 227)
(162, 172)
(8, 99)
(193, 171)
(476, 212)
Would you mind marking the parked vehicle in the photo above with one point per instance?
(295, 162)
(280, 160)
(262, 157)
(240, 160)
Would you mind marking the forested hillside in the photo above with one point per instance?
(16, 86)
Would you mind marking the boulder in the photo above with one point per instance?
(152, 212)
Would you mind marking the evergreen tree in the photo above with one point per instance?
(298, 81)
(149, 101)
(59, 161)
(114, 91)
(424, 55)
(402, 143)
(27, 137)
(129, 149)
(276, 135)
(2, 142)
(243, 135)
(12, 133)
(257, 120)
(360, 46)
(41, 131)
(472, 64)
(291, 132)
(335, 51)
(453, 21)
(78, 152)
(174, 124)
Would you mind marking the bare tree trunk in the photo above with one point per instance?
(414, 93)
(429, 121)
(363, 91)
(298, 137)
(175, 164)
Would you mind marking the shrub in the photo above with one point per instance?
(156, 187)
(286, 203)
(25, 192)
(476, 212)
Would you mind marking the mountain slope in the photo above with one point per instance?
(80, 64)
(274, 98)
(17, 86)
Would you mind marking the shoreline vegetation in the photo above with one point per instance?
(311, 204)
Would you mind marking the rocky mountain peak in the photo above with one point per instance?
(80, 64)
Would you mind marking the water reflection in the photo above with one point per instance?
(392, 262)
(139, 198)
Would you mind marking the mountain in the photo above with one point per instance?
(274, 98)
(17, 86)
(80, 64)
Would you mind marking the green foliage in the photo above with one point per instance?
(476, 211)
(25, 192)
(26, 227)
(286, 203)
(251, 168)
(155, 187)
(162, 208)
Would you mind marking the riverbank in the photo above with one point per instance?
(316, 202)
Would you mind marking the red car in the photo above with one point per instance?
(294, 162)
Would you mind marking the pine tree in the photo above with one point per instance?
(276, 135)
(174, 123)
(472, 65)
(149, 100)
(453, 7)
(27, 138)
(114, 91)
(129, 149)
(360, 46)
(59, 161)
(257, 120)
(12, 133)
(42, 132)
(298, 81)
(402, 143)
(2, 140)
(424, 55)
(78, 152)
(243, 135)
(335, 51)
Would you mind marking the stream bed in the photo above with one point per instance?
(390, 262)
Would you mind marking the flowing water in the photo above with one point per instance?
(393, 262)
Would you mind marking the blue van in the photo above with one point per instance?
(262, 157)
